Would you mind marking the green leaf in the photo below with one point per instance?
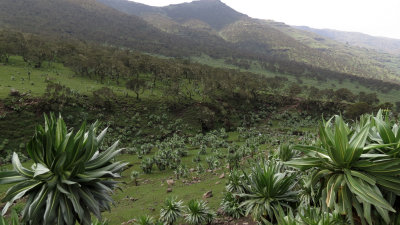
(361, 176)
(19, 168)
(356, 146)
(22, 187)
(103, 157)
(101, 136)
(75, 200)
(38, 202)
(341, 142)
(66, 209)
(14, 218)
(9, 177)
(307, 149)
(17, 192)
(304, 163)
(366, 193)
(385, 132)
(51, 207)
(90, 202)
(40, 169)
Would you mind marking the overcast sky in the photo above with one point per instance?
(374, 17)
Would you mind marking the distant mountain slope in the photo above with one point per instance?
(90, 20)
(210, 20)
(383, 65)
(383, 44)
(130, 7)
(211, 28)
(83, 19)
(213, 12)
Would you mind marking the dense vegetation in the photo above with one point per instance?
(224, 119)
(211, 96)
(345, 168)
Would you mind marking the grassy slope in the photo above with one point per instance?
(355, 87)
(18, 70)
(386, 63)
(152, 190)
(15, 76)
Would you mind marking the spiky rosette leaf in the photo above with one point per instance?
(351, 174)
(70, 178)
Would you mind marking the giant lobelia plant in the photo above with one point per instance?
(70, 178)
(351, 173)
(384, 132)
(267, 188)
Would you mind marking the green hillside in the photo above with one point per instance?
(267, 40)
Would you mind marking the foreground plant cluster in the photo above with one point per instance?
(348, 174)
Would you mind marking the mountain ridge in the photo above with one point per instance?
(214, 12)
(384, 44)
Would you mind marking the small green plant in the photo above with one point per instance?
(147, 165)
(317, 216)
(171, 211)
(198, 212)
(196, 159)
(288, 218)
(145, 220)
(203, 150)
(213, 162)
(199, 168)
(181, 171)
(134, 177)
(230, 205)
(285, 152)
(14, 219)
(100, 222)
(266, 189)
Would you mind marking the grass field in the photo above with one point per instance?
(15, 76)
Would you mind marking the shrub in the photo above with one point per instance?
(266, 189)
(134, 177)
(230, 205)
(171, 211)
(147, 165)
(198, 213)
(285, 152)
(145, 220)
